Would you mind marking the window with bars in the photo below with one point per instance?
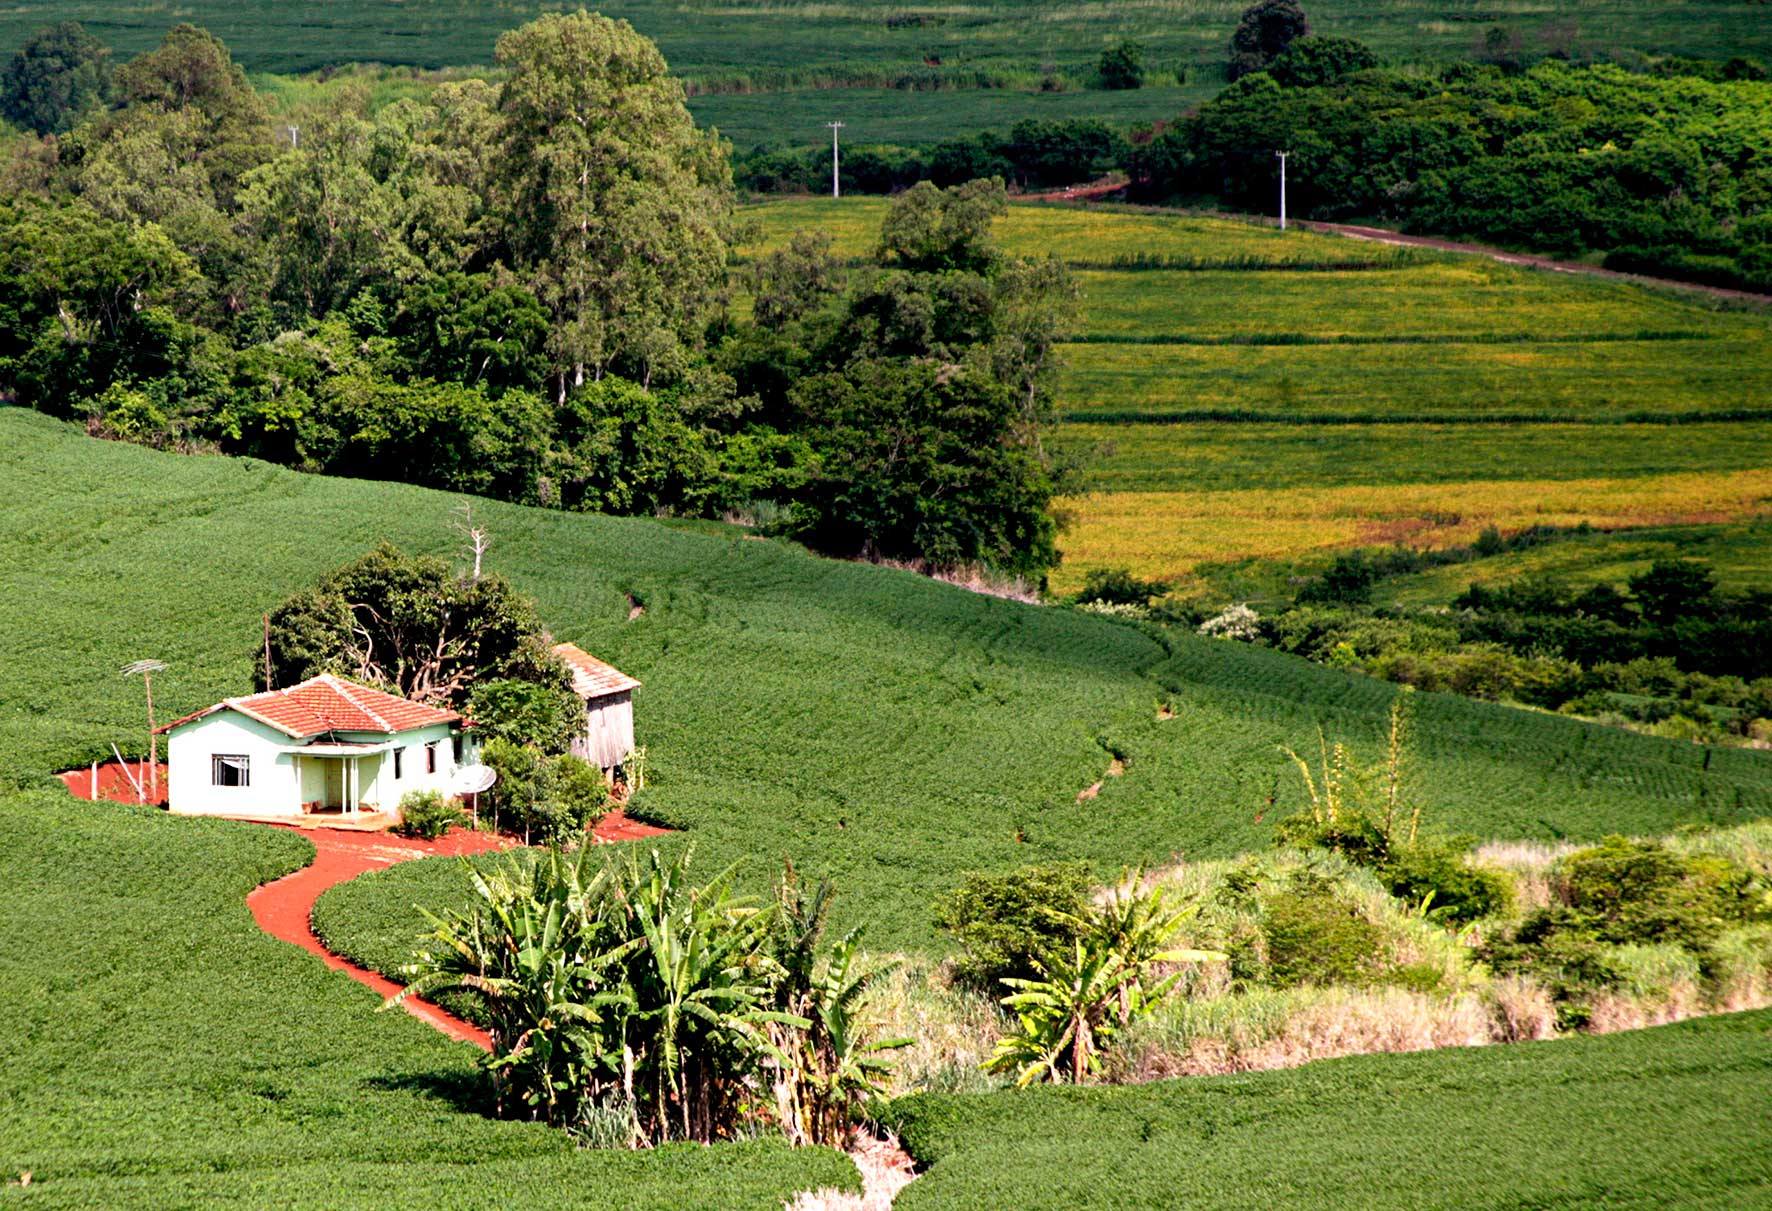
(231, 769)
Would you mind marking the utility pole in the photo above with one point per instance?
(836, 189)
(294, 137)
(145, 669)
(1282, 156)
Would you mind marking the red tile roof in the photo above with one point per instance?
(591, 678)
(330, 704)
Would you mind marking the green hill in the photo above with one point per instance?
(887, 729)
(161, 1051)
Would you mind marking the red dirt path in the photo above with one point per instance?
(284, 908)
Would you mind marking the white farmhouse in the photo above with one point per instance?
(606, 736)
(326, 745)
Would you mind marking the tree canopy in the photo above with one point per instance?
(58, 78)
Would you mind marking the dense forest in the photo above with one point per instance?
(525, 290)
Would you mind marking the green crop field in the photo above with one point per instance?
(1282, 394)
(779, 44)
(161, 1052)
(1660, 1118)
(880, 727)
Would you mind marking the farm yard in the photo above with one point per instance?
(1291, 393)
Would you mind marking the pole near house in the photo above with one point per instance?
(146, 669)
(836, 188)
(1282, 156)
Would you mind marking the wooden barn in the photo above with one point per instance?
(608, 693)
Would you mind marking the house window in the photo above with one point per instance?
(455, 743)
(399, 764)
(230, 769)
(431, 757)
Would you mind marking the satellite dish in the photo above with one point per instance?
(472, 779)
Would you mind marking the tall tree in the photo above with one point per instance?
(618, 208)
(56, 79)
(1266, 29)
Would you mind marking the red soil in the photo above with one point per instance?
(285, 907)
(113, 782)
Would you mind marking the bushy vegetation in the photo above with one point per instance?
(550, 798)
(1612, 902)
(189, 1057)
(1665, 650)
(427, 815)
(1655, 171)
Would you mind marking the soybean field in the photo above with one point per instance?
(884, 729)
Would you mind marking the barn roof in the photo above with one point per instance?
(591, 678)
(330, 704)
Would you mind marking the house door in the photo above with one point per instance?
(335, 785)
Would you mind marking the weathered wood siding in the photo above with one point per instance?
(609, 730)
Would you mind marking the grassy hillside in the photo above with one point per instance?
(1278, 394)
(752, 40)
(1659, 1118)
(886, 729)
(161, 1052)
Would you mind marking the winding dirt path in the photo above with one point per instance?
(284, 908)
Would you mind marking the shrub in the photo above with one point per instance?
(1005, 923)
(1118, 586)
(1623, 891)
(551, 799)
(1436, 872)
(1122, 66)
(427, 814)
(1314, 938)
(1356, 835)
(526, 712)
(1234, 622)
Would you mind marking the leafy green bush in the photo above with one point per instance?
(1006, 923)
(1435, 872)
(427, 814)
(1118, 586)
(1315, 938)
(543, 715)
(548, 799)
(1625, 891)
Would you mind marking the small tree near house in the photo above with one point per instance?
(412, 625)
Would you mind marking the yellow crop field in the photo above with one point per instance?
(1165, 534)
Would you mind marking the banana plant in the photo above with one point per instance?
(1082, 999)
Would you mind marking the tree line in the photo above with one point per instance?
(525, 290)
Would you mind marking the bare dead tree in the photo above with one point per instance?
(146, 669)
(479, 537)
